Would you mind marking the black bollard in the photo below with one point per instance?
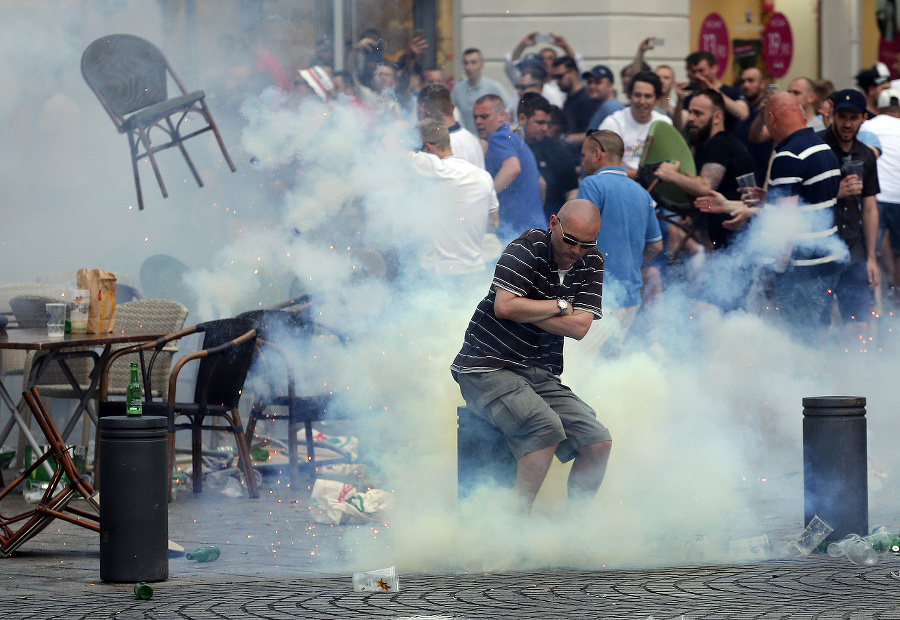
(134, 508)
(483, 456)
(834, 463)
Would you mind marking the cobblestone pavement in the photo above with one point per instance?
(56, 575)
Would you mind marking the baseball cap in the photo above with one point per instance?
(888, 97)
(600, 72)
(870, 77)
(531, 60)
(849, 99)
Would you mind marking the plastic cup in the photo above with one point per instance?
(859, 552)
(56, 320)
(855, 167)
(746, 182)
(816, 531)
(749, 548)
(839, 548)
(381, 580)
(78, 310)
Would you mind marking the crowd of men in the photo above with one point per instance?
(791, 205)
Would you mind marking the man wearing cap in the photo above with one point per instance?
(856, 210)
(887, 127)
(547, 287)
(601, 89)
(871, 83)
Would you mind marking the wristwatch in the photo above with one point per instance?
(563, 306)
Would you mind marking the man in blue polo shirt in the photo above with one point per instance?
(512, 164)
(629, 236)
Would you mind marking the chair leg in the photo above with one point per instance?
(171, 461)
(244, 455)
(134, 169)
(176, 137)
(145, 139)
(197, 456)
(311, 452)
(215, 130)
(293, 459)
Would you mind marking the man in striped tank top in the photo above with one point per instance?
(802, 193)
(547, 286)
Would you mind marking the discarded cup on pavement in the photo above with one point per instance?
(381, 580)
(749, 548)
(783, 549)
(203, 554)
(816, 531)
(839, 547)
(143, 591)
(861, 553)
(881, 539)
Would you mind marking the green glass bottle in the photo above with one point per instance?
(133, 396)
(203, 554)
(143, 591)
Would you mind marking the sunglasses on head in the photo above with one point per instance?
(590, 135)
(573, 241)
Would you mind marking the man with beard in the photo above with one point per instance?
(856, 211)
(633, 123)
(718, 155)
(754, 87)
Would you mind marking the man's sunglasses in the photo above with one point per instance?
(590, 135)
(573, 241)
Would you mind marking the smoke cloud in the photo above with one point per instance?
(705, 441)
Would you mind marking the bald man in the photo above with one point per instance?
(803, 185)
(547, 287)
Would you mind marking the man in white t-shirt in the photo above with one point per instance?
(633, 123)
(463, 209)
(435, 103)
(887, 127)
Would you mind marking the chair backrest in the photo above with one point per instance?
(220, 378)
(148, 315)
(31, 310)
(162, 277)
(128, 72)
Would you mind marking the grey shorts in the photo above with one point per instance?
(533, 410)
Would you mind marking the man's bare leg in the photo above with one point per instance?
(531, 469)
(588, 471)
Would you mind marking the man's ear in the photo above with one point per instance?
(522, 119)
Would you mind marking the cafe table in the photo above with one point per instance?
(58, 350)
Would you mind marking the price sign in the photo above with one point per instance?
(714, 38)
(778, 45)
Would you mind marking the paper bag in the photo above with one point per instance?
(102, 310)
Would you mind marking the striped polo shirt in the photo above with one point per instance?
(805, 166)
(527, 269)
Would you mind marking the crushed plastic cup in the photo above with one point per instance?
(783, 549)
(816, 531)
(381, 580)
(754, 548)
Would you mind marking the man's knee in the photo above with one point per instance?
(595, 451)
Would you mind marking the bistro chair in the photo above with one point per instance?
(282, 333)
(128, 75)
(223, 361)
(15, 530)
